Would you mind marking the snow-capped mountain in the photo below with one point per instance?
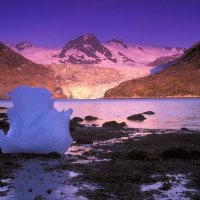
(85, 68)
(181, 79)
(87, 49)
(138, 54)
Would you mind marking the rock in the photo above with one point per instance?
(148, 113)
(178, 153)
(49, 191)
(90, 118)
(77, 119)
(140, 155)
(73, 125)
(194, 153)
(184, 129)
(38, 197)
(3, 108)
(84, 141)
(114, 124)
(29, 155)
(165, 186)
(4, 125)
(3, 115)
(136, 117)
(53, 155)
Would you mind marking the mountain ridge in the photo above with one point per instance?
(17, 70)
(178, 80)
(87, 49)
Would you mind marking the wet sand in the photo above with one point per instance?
(109, 163)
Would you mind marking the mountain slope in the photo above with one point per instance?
(163, 62)
(180, 79)
(17, 70)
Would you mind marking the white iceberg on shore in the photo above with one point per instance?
(35, 125)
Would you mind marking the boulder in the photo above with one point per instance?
(184, 129)
(94, 125)
(114, 124)
(148, 113)
(165, 186)
(90, 118)
(194, 153)
(178, 153)
(140, 155)
(77, 119)
(136, 117)
(4, 125)
(73, 125)
(3, 108)
(53, 155)
(84, 141)
(3, 115)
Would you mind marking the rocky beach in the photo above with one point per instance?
(109, 162)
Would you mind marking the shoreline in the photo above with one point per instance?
(106, 169)
(123, 98)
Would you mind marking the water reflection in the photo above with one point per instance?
(170, 113)
(34, 180)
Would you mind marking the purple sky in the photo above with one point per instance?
(54, 22)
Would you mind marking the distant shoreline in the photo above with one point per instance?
(129, 98)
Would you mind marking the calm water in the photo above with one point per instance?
(170, 113)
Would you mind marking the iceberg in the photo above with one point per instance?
(35, 125)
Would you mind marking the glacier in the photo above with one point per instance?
(35, 125)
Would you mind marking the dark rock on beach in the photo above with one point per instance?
(165, 186)
(148, 113)
(136, 117)
(53, 155)
(184, 129)
(194, 154)
(114, 124)
(140, 155)
(90, 118)
(3, 115)
(84, 140)
(180, 153)
(77, 119)
(3, 108)
(4, 125)
(73, 125)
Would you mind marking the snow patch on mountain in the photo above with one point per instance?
(144, 54)
(37, 54)
(87, 49)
